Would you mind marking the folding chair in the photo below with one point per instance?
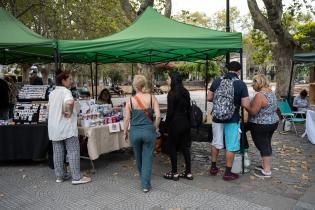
(288, 115)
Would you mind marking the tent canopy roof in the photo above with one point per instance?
(305, 57)
(152, 38)
(18, 43)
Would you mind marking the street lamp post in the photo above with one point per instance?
(228, 29)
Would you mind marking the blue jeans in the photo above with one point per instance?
(143, 139)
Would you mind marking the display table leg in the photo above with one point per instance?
(92, 164)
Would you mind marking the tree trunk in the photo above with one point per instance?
(312, 75)
(282, 42)
(144, 5)
(168, 8)
(282, 56)
(127, 9)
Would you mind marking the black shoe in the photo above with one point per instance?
(172, 176)
(185, 175)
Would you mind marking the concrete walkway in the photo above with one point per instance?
(116, 183)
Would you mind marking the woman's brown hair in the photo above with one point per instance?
(62, 76)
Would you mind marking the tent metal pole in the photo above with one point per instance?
(206, 80)
(96, 69)
(56, 59)
(132, 73)
(243, 134)
(91, 71)
(4, 57)
(228, 29)
(152, 77)
(290, 84)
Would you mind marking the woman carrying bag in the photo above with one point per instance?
(139, 112)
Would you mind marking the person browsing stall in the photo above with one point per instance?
(228, 94)
(263, 121)
(139, 112)
(63, 131)
(35, 79)
(178, 126)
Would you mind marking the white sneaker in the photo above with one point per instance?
(83, 180)
(59, 180)
(62, 179)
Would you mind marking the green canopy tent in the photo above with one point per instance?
(300, 58)
(19, 44)
(152, 38)
(304, 57)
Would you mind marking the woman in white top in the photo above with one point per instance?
(301, 102)
(63, 131)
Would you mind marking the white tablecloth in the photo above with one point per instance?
(310, 126)
(101, 141)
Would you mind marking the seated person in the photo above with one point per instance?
(301, 102)
(104, 97)
(84, 94)
(116, 89)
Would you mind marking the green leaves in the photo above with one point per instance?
(306, 36)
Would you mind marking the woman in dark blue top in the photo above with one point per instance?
(178, 124)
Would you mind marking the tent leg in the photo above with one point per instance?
(290, 84)
(4, 57)
(91, 71)
(206, 81)
(242, 120)
(96, 70)
(56, 61)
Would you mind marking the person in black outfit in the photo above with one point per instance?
(34, 79)
(178, 124)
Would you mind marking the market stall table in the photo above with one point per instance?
(20, 142)
(101, 140)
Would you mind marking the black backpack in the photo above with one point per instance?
(196, 115)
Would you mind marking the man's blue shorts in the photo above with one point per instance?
(232, 136)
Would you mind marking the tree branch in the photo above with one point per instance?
(260, 21)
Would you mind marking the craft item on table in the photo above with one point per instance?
(114, 127)
(32, 92)
(43, 113)
(25, 113)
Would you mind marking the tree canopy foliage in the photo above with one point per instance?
(71, 19)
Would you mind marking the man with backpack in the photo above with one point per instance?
(228, 94)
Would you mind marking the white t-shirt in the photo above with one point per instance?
(60, 127)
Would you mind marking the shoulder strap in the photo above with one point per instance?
(151, 101)
(147, 114)
(139, 102)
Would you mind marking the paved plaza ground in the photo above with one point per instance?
(115, 185)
